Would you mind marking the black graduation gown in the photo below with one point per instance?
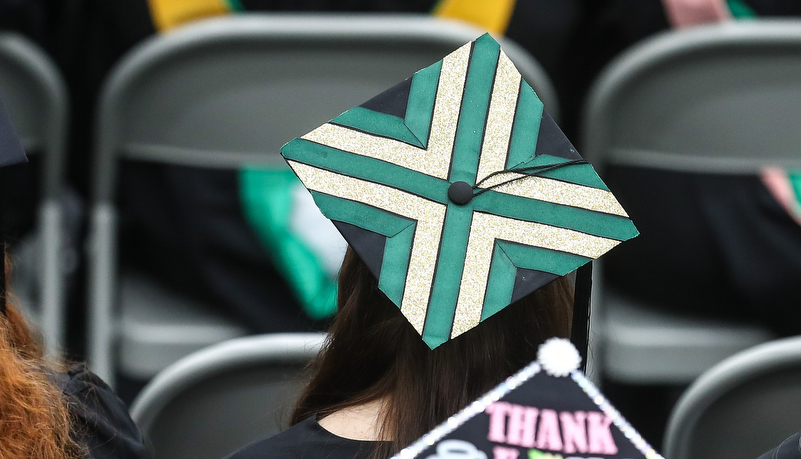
(306, 440)
(101, 420)
(789, 449)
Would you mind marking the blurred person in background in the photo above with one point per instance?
(47, 410)
(718, 246)
(50, 412)
(788, 449)
(723, 246)
(35, 420)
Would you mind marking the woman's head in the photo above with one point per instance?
(374, 353)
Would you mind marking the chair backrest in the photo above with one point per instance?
(35, 96)
(741, 407)
(721, 99)
(226, 396)
(232, 90)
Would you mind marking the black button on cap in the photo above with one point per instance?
(460, 193)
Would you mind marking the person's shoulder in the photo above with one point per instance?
(305, 440)
(788, 449)
(101, 419)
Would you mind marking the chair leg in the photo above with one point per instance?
(102, 292)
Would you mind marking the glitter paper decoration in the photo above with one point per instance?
(523, 391)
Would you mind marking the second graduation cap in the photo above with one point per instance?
(548, 410)
(458, 191)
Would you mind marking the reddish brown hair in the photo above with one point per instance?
(374, 353)
(34, 417)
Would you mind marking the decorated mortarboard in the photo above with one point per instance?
(459, 192)
(548, 410)
(11, 153)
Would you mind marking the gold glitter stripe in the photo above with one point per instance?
(364, 144)
(447, 107)
(434, 161)
(484, 230)
(557, 192)
(500, 118)
(430, 217)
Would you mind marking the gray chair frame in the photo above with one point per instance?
(742, 407)
(35, 96)
(759, 59)
(413, 41)
(667, 104)
(230, 357)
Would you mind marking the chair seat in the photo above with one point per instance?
(646, 345)
(159, 327)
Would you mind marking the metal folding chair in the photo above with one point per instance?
(742, 407)
(715, 99)
(35, 96)
(217, 400)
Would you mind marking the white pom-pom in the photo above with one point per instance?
(558, 357)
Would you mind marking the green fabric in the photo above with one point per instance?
(447, 280)
(420, 106)
(581, 174)
(413, 128)
(740, 10)
(586, 221)
(366, 168)
(795, 180)
(508, 257)
(235, 5)
(526, 126)
(464, 167)
(500, 284)
(361, 215)
(475, 105)
(528, 257)
(396, 260)
(398, 230)
(266, 196)
(377, 123)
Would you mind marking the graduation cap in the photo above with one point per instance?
(460, 193)
(548, 410)
(11, 153)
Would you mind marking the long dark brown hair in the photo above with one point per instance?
(374, 353)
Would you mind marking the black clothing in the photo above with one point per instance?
(306, 440)
(789, 449)
(185, 227)
(101, 421)
(27, 17)
(711, 245)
